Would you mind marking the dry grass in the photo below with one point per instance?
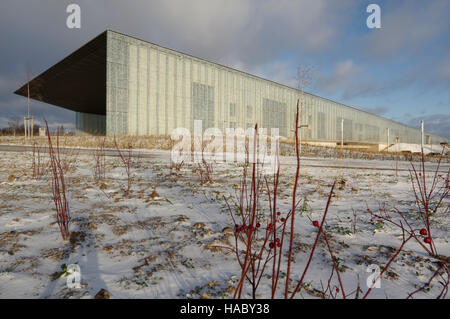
(162, 142)
(137, 142)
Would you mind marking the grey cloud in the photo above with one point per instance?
(379, 110)
(410, 41)
(251, 33)
(16, 108)
(407, 28)
(443, 70)
(341, 79)
(351, 80)
(438, 124)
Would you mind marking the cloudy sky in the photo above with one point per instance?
(401, 71)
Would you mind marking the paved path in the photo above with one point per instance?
(340, 163)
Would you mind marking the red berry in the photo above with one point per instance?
(423, 231)
(278, 213)
(271, 245)
(258, 225)
(337, 289)
(278, 245)
(283, 220)
(315, 223)
(277, 240)
(427, 240)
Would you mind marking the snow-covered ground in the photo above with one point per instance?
(415, 148)
(158, 240)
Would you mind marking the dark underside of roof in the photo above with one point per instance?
(77, 83)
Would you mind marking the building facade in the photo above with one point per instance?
(151, 90)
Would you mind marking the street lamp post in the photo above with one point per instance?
(387, 147)
(421, 132)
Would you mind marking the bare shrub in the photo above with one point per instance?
(126, 160)
(38, 166)
(205, 168)
(429, 200)
(59, 187)
(100, 162)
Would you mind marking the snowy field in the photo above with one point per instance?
(160, 239)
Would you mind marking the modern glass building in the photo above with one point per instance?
(120, 85)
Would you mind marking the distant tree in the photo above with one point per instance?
(36, 128)
(15, 126)
(60, 130)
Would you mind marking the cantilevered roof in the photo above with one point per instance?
(77, 83)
